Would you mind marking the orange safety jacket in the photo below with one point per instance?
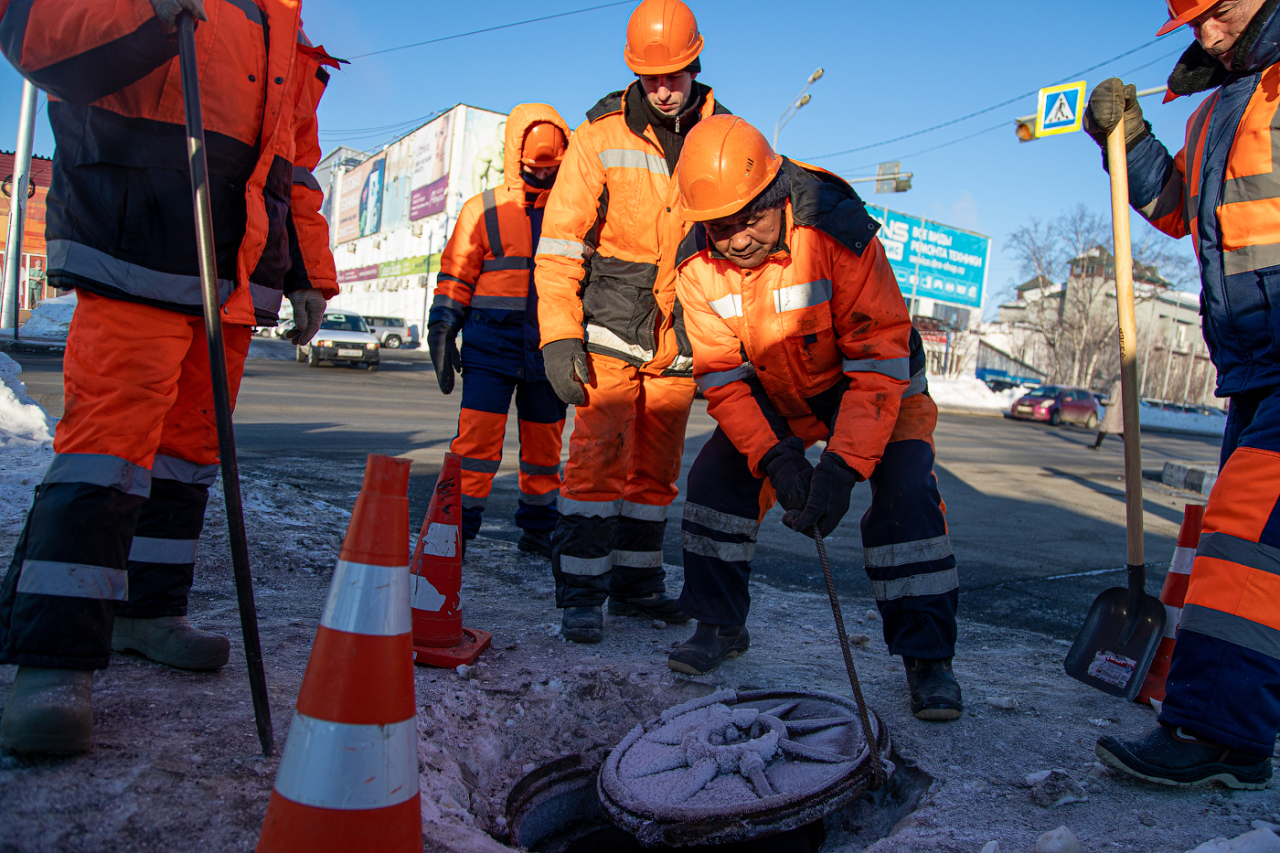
(486, 269)
(120, 221)
(605, 263)
(820, 326)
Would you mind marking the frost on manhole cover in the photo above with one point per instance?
(731, 766)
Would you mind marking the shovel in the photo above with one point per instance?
(1119, 638)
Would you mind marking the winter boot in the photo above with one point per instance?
(583, 624)
(710, 646)
(655, 605)
(935, 693)
(48, 711)
(535, 542)
(172, 641)
(1174, 756)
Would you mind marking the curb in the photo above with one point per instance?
(30, 344)
(1192, 477)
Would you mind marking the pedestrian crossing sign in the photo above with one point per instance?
(1061, 109)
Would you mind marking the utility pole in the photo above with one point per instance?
(18, 208)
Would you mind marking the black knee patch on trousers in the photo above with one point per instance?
(173, 514)
(77, 524)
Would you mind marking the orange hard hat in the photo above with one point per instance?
(662, 37)
(724, 163)
(543, 146)
(1184, 12)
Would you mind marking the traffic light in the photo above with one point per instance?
(1025, 127)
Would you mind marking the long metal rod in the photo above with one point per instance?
(218, 379)
(894, 176)
(877, 765)
(18, 208)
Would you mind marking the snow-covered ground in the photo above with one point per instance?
(51, 319)
(26, 445)
(969, 392)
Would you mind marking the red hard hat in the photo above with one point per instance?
(724, 163)
(543, 146)
(1184, 12)
(662, 37)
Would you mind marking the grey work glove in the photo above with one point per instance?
(828, 500)
(442, 343)
(308, 311)
(169, 10)
(566, 365)
(789, 472)
(1109, 100)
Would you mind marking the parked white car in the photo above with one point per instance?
(343, 337)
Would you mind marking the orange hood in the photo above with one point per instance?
(523, 117)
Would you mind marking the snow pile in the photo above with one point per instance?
(52, 318)
(272, 349)
(1150, 416)
(970, 392)
(1258, 841)
(26, 445)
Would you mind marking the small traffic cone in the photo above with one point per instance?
(435, 575)
(1172, 596)
(348, 778)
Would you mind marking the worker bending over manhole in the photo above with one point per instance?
(800, 334)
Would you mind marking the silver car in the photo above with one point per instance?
(343, 337)
(391, 332)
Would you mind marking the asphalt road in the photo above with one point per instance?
(1036, 518)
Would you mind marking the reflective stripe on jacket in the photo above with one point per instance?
(120, 220)
(486, 270)
(1223, 190)
(605, 263)
(819, 327)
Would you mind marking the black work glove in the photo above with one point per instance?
(789, 472)
(308, 313)
(829, 492)
(566, 364)
(442, 342)
(1109, 100)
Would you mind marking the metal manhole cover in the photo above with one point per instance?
(732, 766)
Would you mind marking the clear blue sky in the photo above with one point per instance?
(891, 68)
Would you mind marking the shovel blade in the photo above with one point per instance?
(1114, 648)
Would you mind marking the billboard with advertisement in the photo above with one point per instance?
(934, 261)
(429, 177)
(360, 205)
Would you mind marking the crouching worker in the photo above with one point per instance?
(107, 555)
(800, 334)
(485, 289)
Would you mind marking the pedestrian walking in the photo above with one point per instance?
(1113, 418)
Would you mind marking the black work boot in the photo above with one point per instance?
(1174, 756)
(710, 646)
(49, 711)
(582, 624)
(935, 693)
(535, 542)
(655, 605)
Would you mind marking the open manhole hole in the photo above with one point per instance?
(804, 791)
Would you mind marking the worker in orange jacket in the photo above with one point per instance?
(800, 334)
(485, 290)
(612, 332)
(106, 558)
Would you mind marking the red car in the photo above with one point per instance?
(1057, 404)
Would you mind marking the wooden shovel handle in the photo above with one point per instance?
(1118, 164)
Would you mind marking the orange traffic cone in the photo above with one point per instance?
(348, 778)
(436, 579)
(1172, 596)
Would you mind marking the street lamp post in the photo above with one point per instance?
(800, 100)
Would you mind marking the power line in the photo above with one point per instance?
(987, 109)
(494, 28)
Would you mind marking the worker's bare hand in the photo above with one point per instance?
(308, 311)
(169, 10)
